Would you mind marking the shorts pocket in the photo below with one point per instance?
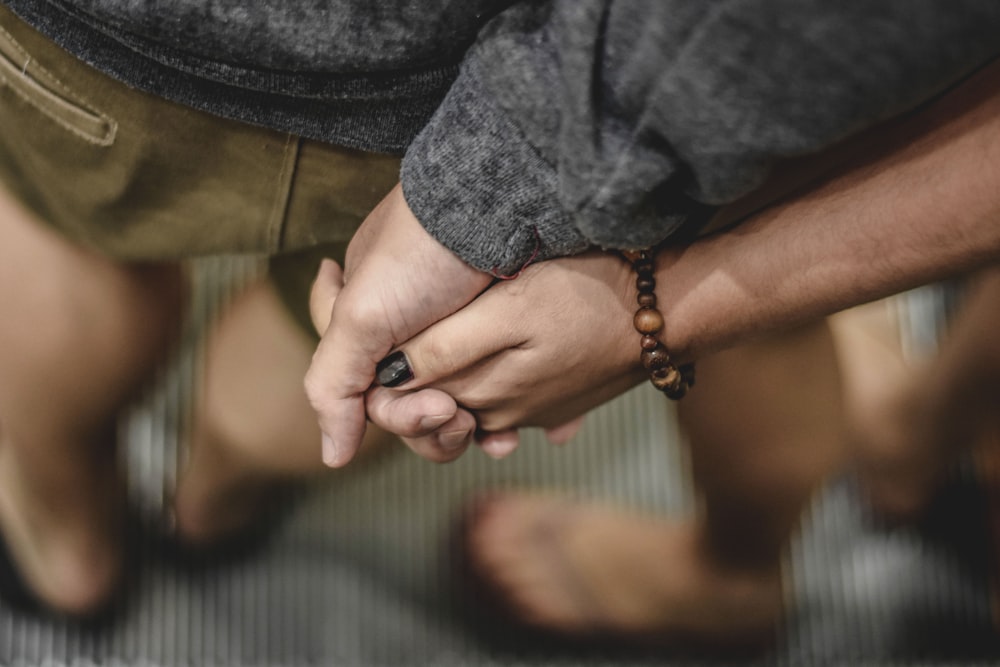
(39, 88)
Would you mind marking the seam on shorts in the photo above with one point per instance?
(39, 88)
(283, 192)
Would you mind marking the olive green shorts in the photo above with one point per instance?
(139, 178)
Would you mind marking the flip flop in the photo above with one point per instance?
(236, 548)
(15, 594)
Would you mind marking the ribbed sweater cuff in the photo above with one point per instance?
(481, 190)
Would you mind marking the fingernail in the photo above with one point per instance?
(431, 422)
(453, 440)
(394, 370)
(329, 451)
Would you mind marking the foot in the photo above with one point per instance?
(64, 537)
(587, 571)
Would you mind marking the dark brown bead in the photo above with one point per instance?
(655, 359)
(666, 379)
(676, 393)
(649, 342)
(646, 285)
(663, 372)
(646, 300)
(648, 321)
(644, 267)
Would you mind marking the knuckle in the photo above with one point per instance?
(315, 387)
(409, 427)
(437, 356)
(478, 398)
(357, 314)
(499, 420)
(490, 423)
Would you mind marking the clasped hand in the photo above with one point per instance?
(486, 358)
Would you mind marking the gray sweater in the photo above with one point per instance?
(538, 129)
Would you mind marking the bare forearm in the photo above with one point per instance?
(924, 206)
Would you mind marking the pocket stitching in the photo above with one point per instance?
(49, 85)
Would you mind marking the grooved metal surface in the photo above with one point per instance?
(361, 573)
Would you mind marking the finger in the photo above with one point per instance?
(429, 421)
(349, 417)
(448, 442)
(499, 444)
(560, 435)
(340, 372)
(325, 288)
(409, 414)
(343, 415)
(452, 345)
(342, 368)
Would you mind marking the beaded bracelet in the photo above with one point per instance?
(665, 375)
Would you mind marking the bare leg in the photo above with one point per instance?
(910, 423)
(764, 430)
(255, 432)
(79, 336)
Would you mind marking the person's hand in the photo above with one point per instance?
(536, 351)
(399, 280)
(414, 415)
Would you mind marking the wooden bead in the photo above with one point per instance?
(676, 393)
(648, 321)
(664, 371)
(666, 378)
(649, 342)
(655, 359)
(645, 285)
(646, 300)
(644, 268)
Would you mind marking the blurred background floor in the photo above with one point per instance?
(361, 572)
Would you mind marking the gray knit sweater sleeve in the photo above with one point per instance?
(576, 123)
